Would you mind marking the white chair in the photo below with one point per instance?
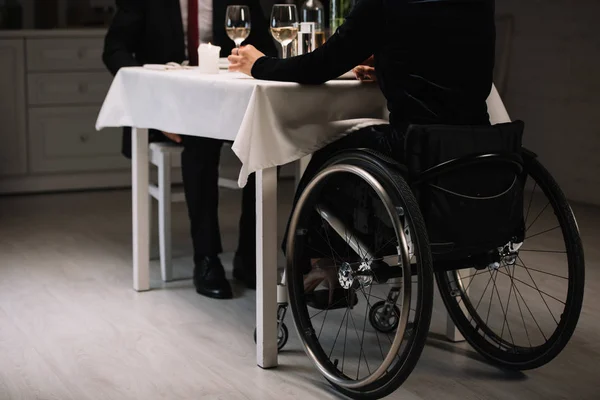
(166, 156)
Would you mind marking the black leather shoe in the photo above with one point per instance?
(244, 269)
(210, 280)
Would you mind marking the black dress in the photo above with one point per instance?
(434, 61)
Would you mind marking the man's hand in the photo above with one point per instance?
(173, 136)
(365, 74)
(243, 59)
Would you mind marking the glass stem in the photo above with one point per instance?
(284, 51)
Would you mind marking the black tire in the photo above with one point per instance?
(413, 344)
(483, 338)
(375, 319)
(282, 336)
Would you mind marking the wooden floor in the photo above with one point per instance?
(71, 327)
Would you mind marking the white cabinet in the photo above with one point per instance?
(76, 88)
(13, 157)
(62, 54)
(65, 140)
(52, 85)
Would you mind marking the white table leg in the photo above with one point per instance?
(266, 268)
(452, 332)
(140, 209)
(164, 217)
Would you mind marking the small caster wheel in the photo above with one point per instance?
(282, 336)
(383, 317)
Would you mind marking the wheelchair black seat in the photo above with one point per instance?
(469, 184)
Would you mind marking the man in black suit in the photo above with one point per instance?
(161, 31)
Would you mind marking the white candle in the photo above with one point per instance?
(208, 58)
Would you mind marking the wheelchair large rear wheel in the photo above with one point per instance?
(358, 227)
(520, 313)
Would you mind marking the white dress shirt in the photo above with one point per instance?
(205, 20)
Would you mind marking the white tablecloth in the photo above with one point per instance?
(271, 123)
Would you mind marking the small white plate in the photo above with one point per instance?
(166, 67)
(223, 63)
(157, 67)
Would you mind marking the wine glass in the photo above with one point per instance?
(237, 24)
(284, 25)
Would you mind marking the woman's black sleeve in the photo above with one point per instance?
(355, 41)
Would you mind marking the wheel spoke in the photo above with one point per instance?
(370, 307)
(512, 283)
(542, 272)
(540, 292)
(323, 324)
(542, 232)
(507, 310)
(538, 289)
(345, 335)
(543, 251)
(469, 276)
(469, 285)
(362, 340)
(361, 351)
(328, 308)
(487, 318)
(482, 294)
(349, 239)
(325, 224)
(338, 333)
(317, 251)
(530, 201)
(380, 248)
(538, 216)
(532, 287)
(530, 313)
(361, 255)
(502, 307)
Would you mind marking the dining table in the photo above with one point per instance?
(270, 124)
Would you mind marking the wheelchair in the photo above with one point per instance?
(469, 206)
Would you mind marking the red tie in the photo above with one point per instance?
(192, 32)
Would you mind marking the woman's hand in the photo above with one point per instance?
(365, 73)
(243, 59)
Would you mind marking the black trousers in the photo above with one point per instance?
(200, 170)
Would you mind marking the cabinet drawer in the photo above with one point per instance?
(65, 139)
(64, 54)
(62, 88)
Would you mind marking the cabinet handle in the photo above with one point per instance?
(84, 138)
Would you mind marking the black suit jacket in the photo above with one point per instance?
(151, 32)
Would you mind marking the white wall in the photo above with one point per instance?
(554, 86)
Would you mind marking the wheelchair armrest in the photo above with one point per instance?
(510, 159)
